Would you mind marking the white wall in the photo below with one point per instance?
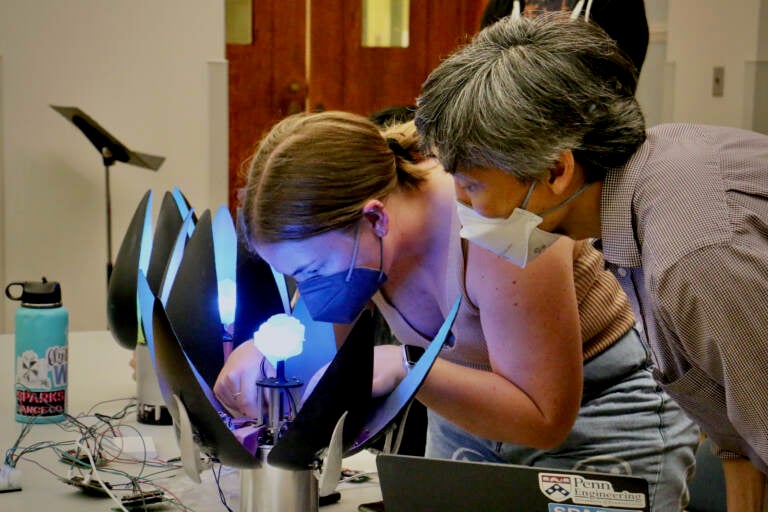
(688, 39)
(650, 88)
(703, 34)
(153, 73)
(3, 216)
(758, 72)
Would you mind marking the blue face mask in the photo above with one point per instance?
(339, 298)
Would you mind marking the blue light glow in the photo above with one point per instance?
(227, 301)
(145, 249)
(181, 204)
(174, 261)
(280, 337)
(225, 259)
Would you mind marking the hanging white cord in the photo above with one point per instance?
(516, 10)
(577, 9)
(401, 430)
(589, 9)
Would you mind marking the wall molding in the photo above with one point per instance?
(668, 96)
(3, 216)
(755, 116)
(218, 132)
(657, 33)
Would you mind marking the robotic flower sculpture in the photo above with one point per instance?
(186, 328)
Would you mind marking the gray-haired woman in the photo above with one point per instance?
(545, 107)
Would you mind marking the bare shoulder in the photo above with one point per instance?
(490, 279)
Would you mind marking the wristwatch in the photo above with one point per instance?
(411, 355)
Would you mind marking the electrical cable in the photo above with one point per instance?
(222, 497)
(95, 472)
(95, 440)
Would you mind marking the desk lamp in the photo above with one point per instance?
(225, 261)
(141, 253)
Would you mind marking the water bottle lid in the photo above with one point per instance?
(36, 294)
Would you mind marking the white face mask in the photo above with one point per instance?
(516, 238)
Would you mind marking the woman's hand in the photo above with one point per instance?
(388, 369)
(235, 386)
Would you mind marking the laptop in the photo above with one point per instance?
(418, 484)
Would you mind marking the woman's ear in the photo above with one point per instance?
(562, 175)
(374, 213)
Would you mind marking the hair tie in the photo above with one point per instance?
(399, 150)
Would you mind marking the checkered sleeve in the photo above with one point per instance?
(714, 304)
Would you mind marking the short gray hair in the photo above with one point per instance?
(523, 91)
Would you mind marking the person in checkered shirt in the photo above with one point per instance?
(537, 110)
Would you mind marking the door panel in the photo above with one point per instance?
(268, 79)
(344, 75)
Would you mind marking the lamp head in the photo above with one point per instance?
(227, 295)
(279, 338)
(225, 261)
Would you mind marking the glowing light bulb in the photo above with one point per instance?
(227, 301)
(225, 261)
(280, 337)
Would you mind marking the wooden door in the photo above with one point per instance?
(260, 75)
(293, 65)
(344, 75)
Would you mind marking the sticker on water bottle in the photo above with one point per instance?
(41, 383)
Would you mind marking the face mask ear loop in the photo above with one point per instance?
(381, 257)
(354, 254)
(574, 196)
(528, 196)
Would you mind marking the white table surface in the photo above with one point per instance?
(98, 371)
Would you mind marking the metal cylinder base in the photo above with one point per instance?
(151, 408)
(271, 489)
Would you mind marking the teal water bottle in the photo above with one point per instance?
(40, 331)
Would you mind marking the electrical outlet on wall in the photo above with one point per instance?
(718, 81)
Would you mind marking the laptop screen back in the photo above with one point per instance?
(417, 484)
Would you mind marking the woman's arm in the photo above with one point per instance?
(530, 321)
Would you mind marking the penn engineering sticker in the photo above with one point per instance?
(586, 491)
(554, 507)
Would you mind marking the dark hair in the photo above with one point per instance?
(624, 20)
(526, 90)
(394, 114)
